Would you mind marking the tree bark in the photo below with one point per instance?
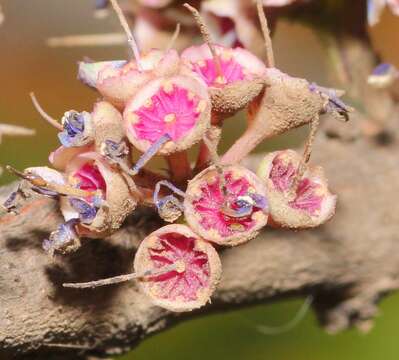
(346, 265)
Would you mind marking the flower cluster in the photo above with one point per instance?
(162, 103)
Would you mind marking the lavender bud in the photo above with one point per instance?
(87, 212)
(78, 129)
(114, 151)
(383, 76)
(64, 239)
(169, 208)
(335, 104)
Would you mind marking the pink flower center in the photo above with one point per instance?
(211, 204)
(192, 267)
(231, 71)
(306, 199)
(90, 178)
(281, 174)
(173, 110)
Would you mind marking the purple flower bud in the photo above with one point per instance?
(383, 76)
(101, 4)
(87, 212)
(382, 69)
(335, 104)
(10, 205)
(114, 151)
(78, 129)
(260, 201)
(64, 239)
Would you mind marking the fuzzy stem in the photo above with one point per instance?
(120, 278)
(174, 37)
(252, 137)
(179, 166)
(213, 135)
(206, 36)
(212, 146)
(266, 34)
(214, 156)
(314, 124)
(44, 115)
(129, 34)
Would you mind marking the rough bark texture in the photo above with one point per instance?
(346, 264)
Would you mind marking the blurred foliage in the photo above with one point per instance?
(27, 64)
(234, 335)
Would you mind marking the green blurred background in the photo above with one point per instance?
(27, 64)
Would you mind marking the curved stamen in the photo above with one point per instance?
(152, 150)
(266, 34)
(44, 115)
(169, 185)
(121, 278)
(129, 34)
(206, 36)
(174, 37)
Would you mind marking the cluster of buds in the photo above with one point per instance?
(162, 103)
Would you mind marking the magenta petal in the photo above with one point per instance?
(176, 247)
(172, 112)
(210, 204)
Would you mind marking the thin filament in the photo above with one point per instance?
(168, 185)
(314, 124)
(174, 37)
(43, 114)
(206, 36)
(148, 155)
(126, 28)
(276, 330)
(120, 278)
(266, 34)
